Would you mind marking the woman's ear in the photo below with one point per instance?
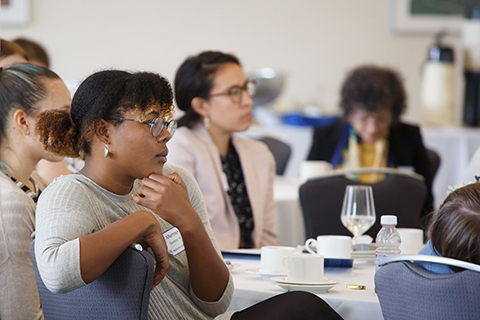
(20, 120)
(200, 106)
(102, 130)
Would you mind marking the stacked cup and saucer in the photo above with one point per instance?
(304, 273)
(271, 262)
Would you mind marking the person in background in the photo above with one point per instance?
(37, 55)
(455, 229)
(126, 192)
(235, 174)
(370, 134)
(11, 53)
(25, 91)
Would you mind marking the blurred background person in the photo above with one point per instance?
(235, 174)
(36, 53)
(25, 91)
(370, 134)
(11, 53)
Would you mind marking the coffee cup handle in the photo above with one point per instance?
(307, 245)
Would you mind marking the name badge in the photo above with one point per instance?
(174, 241)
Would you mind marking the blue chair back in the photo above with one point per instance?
(121, 292)
(408, 291)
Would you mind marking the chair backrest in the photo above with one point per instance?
(321, 200)
(407, 291)
(434, 162)
(281, 152)
(121, 292)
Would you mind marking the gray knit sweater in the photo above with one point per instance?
(74, 206)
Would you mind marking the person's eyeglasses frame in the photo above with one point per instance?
(170, 125)
(235, 97)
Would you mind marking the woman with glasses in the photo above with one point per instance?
(25, 91)
(126, 193)
(235, 174)
(371, 134)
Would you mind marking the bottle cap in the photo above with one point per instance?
(388, 219)
(438, 52)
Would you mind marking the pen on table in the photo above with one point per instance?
(356, 286)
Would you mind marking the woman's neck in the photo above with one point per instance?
(221, 140)
(22, 167)
(107, 179)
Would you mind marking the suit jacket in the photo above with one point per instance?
(195, 150)
(405, 148)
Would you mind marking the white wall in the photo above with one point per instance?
(315, 41)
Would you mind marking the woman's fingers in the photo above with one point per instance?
(156, 242)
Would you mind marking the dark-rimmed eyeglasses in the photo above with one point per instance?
(156, 125)
(236, 92)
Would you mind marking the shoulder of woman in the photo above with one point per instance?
(11, 195)
(333, 129)
(72, 183)
(405, 128)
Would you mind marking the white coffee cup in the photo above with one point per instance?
(314, 169)
(412, 240)
(271, 259)
(304, 268)
(331, 247)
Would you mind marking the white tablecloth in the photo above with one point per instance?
(288, 213)
(350, 304)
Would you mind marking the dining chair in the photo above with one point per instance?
(400, 193)
(408, 291)
(434, 161)
(281, 152)
(121, 292)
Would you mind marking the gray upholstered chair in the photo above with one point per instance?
(281, 152)
(121, 292)
(401, 194)
(408, 291)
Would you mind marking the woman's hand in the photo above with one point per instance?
(167, 196)
(153, 238)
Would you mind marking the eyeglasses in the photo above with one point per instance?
(156, 126)
(236, 92)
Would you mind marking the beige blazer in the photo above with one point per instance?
(195, 150)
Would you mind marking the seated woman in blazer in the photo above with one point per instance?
(370, 134)
(235, 174)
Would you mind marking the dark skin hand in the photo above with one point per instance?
(167, 196)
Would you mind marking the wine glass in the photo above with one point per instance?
(358, 210)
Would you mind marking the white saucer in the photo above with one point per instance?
(325, 282)
(308, 288)
(365, 255)
(266, 276)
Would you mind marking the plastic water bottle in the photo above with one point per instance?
(388, 239)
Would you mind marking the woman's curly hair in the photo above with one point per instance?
(372, 89)
(105, 94)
